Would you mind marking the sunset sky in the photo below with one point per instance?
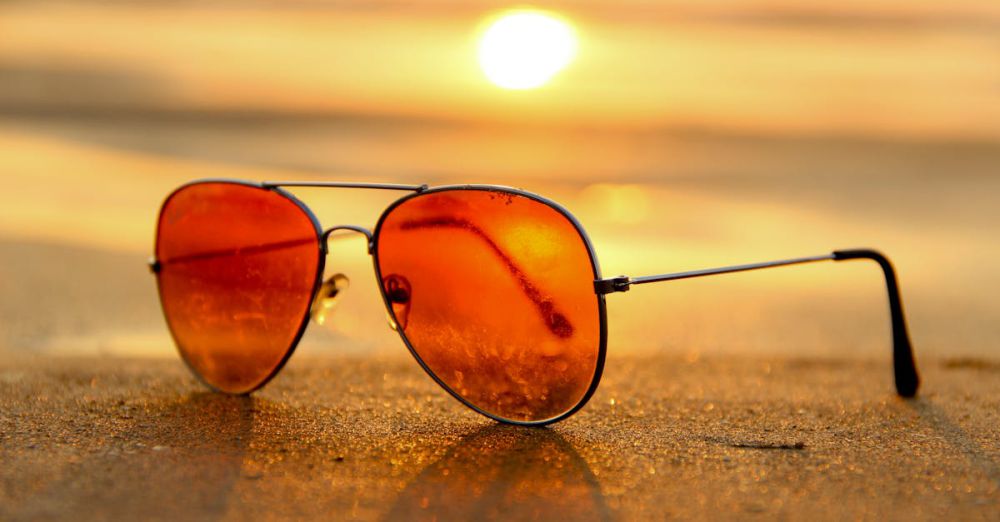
(918, 68)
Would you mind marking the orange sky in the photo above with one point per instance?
(914, 68)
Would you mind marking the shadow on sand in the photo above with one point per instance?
(977, 455)
(504, 472)
(176, 458)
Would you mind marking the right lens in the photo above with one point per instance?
(494, 291)
(238, 268)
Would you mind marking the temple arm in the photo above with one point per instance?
(907, 380)
(156, 265)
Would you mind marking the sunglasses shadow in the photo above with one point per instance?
(178, 456)
(977, 455)
(505, 472)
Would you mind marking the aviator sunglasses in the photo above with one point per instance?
(496, 292)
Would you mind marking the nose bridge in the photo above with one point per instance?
(350, 228)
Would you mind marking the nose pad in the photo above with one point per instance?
(399, 295)
(327, 297)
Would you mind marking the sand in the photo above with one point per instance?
(374, 439)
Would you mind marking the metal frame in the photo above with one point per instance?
(337, 184)
(906, 377)
(624, 283)
(904, 364)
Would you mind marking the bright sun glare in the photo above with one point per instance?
(525, 49)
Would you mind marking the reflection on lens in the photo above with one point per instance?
(494, 292)
(238, 268)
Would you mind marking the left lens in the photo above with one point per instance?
(494, 292)
(238, 268)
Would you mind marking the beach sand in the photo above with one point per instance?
(373, 438)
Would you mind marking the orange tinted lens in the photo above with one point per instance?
(495, 293)
(238, 269)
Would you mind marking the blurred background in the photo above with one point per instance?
(683, 134)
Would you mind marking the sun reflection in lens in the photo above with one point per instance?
(524, 49)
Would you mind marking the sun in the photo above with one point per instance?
(525, 49)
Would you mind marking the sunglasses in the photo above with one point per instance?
(495, 291)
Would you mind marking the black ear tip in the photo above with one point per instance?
(907, 379)
(907, 384)
(907, 392)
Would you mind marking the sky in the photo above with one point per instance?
(910, 69)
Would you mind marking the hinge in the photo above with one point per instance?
(615, 284)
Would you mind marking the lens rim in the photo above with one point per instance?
(601, 303)
(320, 269)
